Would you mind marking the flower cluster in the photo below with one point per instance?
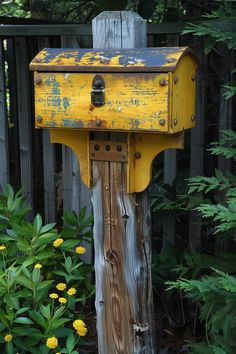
(80, 327)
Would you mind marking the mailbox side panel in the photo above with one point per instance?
(183, 95)
(133, 102)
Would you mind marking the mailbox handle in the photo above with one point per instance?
(98, 91)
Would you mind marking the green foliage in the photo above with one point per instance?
(34, 259)
(208, 280)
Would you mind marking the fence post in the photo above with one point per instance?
(4, 169)
(121, 227)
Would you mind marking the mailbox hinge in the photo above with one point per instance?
(98, 91)
(108, 151)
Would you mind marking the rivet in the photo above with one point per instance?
(106, 187)
(98, 122)
(39, 119)
(193, 118)
(176, 79)
(193, 77)
(119, 109)
(107, 148)
(96, 147)
(162, 121)
(157, 114)
(37, 60)
(119, 148)
(123, 157)
(162, 82)
(137, 155)
(38, 80)
(175, 121)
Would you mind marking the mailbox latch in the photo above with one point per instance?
(98, 91)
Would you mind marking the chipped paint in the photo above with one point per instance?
(154, 59)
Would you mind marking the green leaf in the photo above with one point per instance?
(37, 223)
(38, 318)
(70, 342)
(45, 311)
(69, 244)
(23, 320)
(47, 228)
(9, 348)
(22, 280)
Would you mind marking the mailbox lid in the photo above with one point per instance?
(163, 59)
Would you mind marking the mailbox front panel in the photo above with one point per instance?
(132, 101)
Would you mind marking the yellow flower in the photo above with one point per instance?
(71, 291)
(38, 266)
(61, 286)
(58, 242)
(8, 337)
(2, 247)
(53, 296)
(52, 342)
(62, 300)
(80, 327)
(82, 331)
(80, 250)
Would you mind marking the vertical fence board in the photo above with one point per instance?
(197, 143)
(50, 213)
(25, 118)
(170, 170)
(4, 156)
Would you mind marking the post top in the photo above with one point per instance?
(118, 16)
(109, 60)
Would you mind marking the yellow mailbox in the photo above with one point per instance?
(149, 93)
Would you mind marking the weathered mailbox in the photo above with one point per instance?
(148, 93)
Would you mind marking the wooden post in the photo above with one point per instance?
(121, 227)
(4, 169)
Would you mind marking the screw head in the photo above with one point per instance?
(119, 109)
(98, 122)
(162, 82)
(176, 79)
(39, 119)
(119, 148)
(175, 121)
(137, 155)
(96, 147)
(193, 118)
(38, 80)
(162, 122)
(107, 148)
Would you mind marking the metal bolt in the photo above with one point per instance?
(119, 148)
(39, 119)
(38, 80)
(193, 77)
(98, 122)
(175, 121)
(162, 82)
(162, 121)
(137, 155)
(193, 118)
(96, 147)
(38, 60)
(176, 79)
(107, 148)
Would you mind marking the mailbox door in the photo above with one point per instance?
(132, 101)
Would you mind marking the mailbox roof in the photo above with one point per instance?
(109, 60)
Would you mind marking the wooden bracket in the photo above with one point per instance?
(139, 153)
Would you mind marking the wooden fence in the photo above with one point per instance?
(50, 173)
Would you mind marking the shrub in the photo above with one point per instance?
(43, 282)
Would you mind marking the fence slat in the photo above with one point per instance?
(4, 168)
(197, 144)
(25, 118)
(170, 170)
(50, 212)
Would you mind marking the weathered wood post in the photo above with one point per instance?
(124, 305)
(117, 109)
